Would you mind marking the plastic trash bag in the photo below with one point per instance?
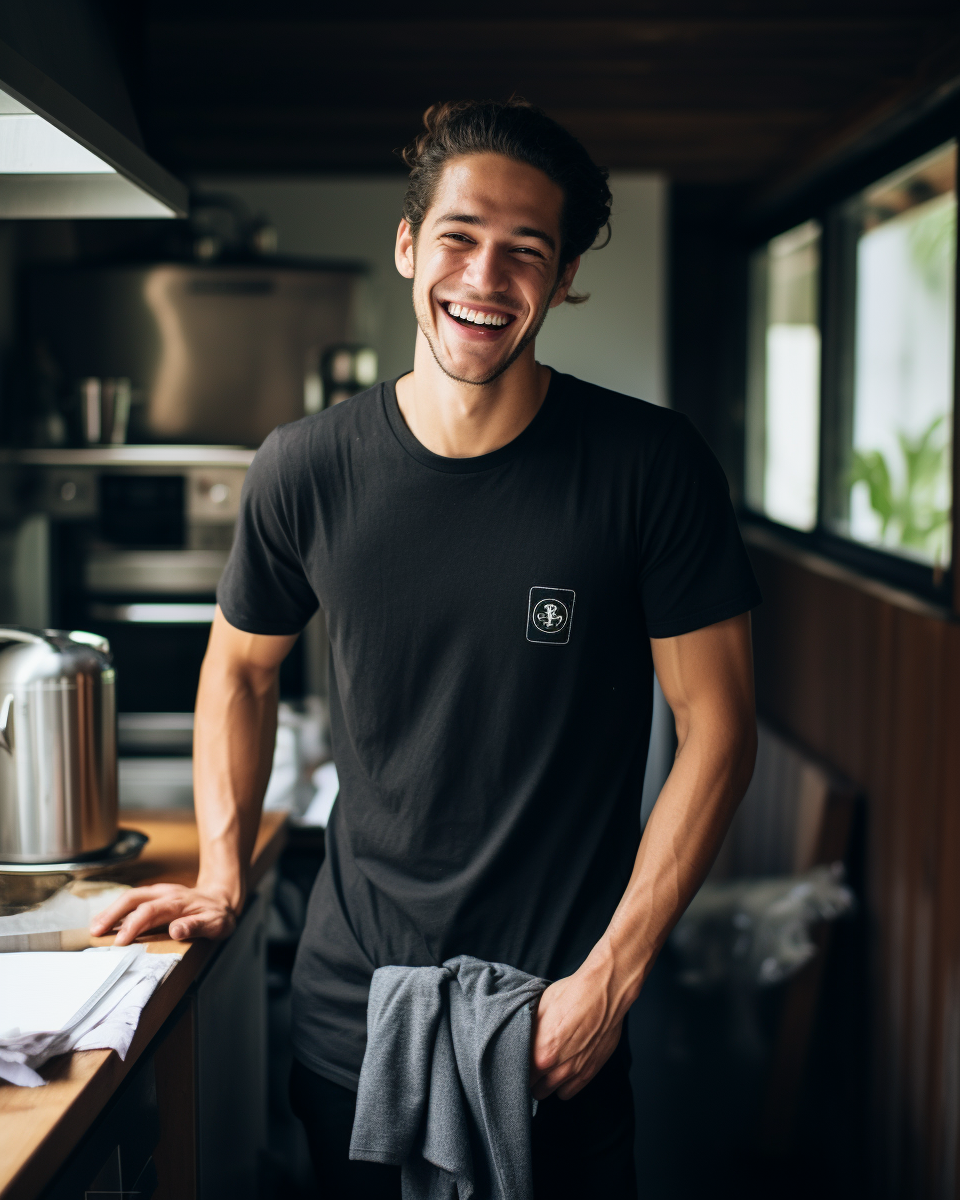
(756, 932)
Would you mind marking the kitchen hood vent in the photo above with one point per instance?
(58, 157)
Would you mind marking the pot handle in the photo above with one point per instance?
(6, 724)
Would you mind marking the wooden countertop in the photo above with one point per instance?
(39, 1127)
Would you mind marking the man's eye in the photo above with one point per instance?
(529, 252)
(459, 237)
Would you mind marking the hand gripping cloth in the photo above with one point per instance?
(445, 1083)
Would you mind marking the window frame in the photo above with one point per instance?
(823, 201)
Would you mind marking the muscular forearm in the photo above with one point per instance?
(236, 724)
(710, 773)
(233, 742)
(707, 678)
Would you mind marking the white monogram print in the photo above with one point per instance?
(550, 615)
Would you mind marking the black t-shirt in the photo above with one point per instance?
(491, 682)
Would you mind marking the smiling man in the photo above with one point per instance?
(502, 554)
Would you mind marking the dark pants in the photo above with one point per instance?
(581, 1147)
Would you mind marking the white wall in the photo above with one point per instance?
(616, 339)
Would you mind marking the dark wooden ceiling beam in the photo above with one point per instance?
(211, 44)
(687, 145)
(732, 90)
(935, 79)
(230, 11)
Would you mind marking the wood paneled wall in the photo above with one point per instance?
(874, 688)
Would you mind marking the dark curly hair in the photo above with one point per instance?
(520, 131)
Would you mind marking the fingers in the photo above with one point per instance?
(570, 1076)
(152, 914)
(190, 914)
(112, 915)
(553, 1072)
(211, 922)
(214, 924)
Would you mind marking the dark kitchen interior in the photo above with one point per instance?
(769, 129)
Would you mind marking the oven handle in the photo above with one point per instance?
(154, 614)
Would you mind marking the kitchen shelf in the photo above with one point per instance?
(140, 456)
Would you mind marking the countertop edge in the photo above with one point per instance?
(107, 1072)
(131, 456)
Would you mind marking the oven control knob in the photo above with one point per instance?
(219, 493)
(68, 490)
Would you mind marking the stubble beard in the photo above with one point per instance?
(423, 320)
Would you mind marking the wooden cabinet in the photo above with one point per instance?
(190, 1120)
(232, 1062)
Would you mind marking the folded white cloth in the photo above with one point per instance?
(106, 1020)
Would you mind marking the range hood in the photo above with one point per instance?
(69, 144)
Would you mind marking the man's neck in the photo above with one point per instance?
(464, 420)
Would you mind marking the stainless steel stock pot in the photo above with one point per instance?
(58, 746)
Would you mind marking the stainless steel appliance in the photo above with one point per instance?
(134, 540)
(129, 540)
(214, 354)
(58, 747)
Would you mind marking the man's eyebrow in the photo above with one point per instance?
(520, 231)
(529, 231)
(462, 218)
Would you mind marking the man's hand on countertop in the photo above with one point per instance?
(189, 912)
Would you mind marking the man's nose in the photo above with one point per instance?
(486, 271)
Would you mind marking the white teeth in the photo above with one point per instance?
(478, 318)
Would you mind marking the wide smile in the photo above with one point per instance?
(477, 321)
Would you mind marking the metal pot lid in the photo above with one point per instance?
(32, 655)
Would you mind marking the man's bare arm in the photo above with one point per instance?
(236, 725)
(707, 679)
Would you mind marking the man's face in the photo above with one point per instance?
(485, 266)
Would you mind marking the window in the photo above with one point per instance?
(903, 231)
(784, 387)
(854, 444)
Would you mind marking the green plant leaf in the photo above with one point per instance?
(912, 515)
(870, 467)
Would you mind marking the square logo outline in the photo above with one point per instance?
(545, 637)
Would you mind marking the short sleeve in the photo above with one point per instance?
(694, 570)
(263, 588)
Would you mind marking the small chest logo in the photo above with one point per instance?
(549, 614)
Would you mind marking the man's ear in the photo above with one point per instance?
(403, 255)
(566, 282)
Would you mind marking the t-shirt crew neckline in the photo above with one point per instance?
(480, 462)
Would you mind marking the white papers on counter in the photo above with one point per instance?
(44, 992)
(51, 1003)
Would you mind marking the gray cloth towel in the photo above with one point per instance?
(445, 1082)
